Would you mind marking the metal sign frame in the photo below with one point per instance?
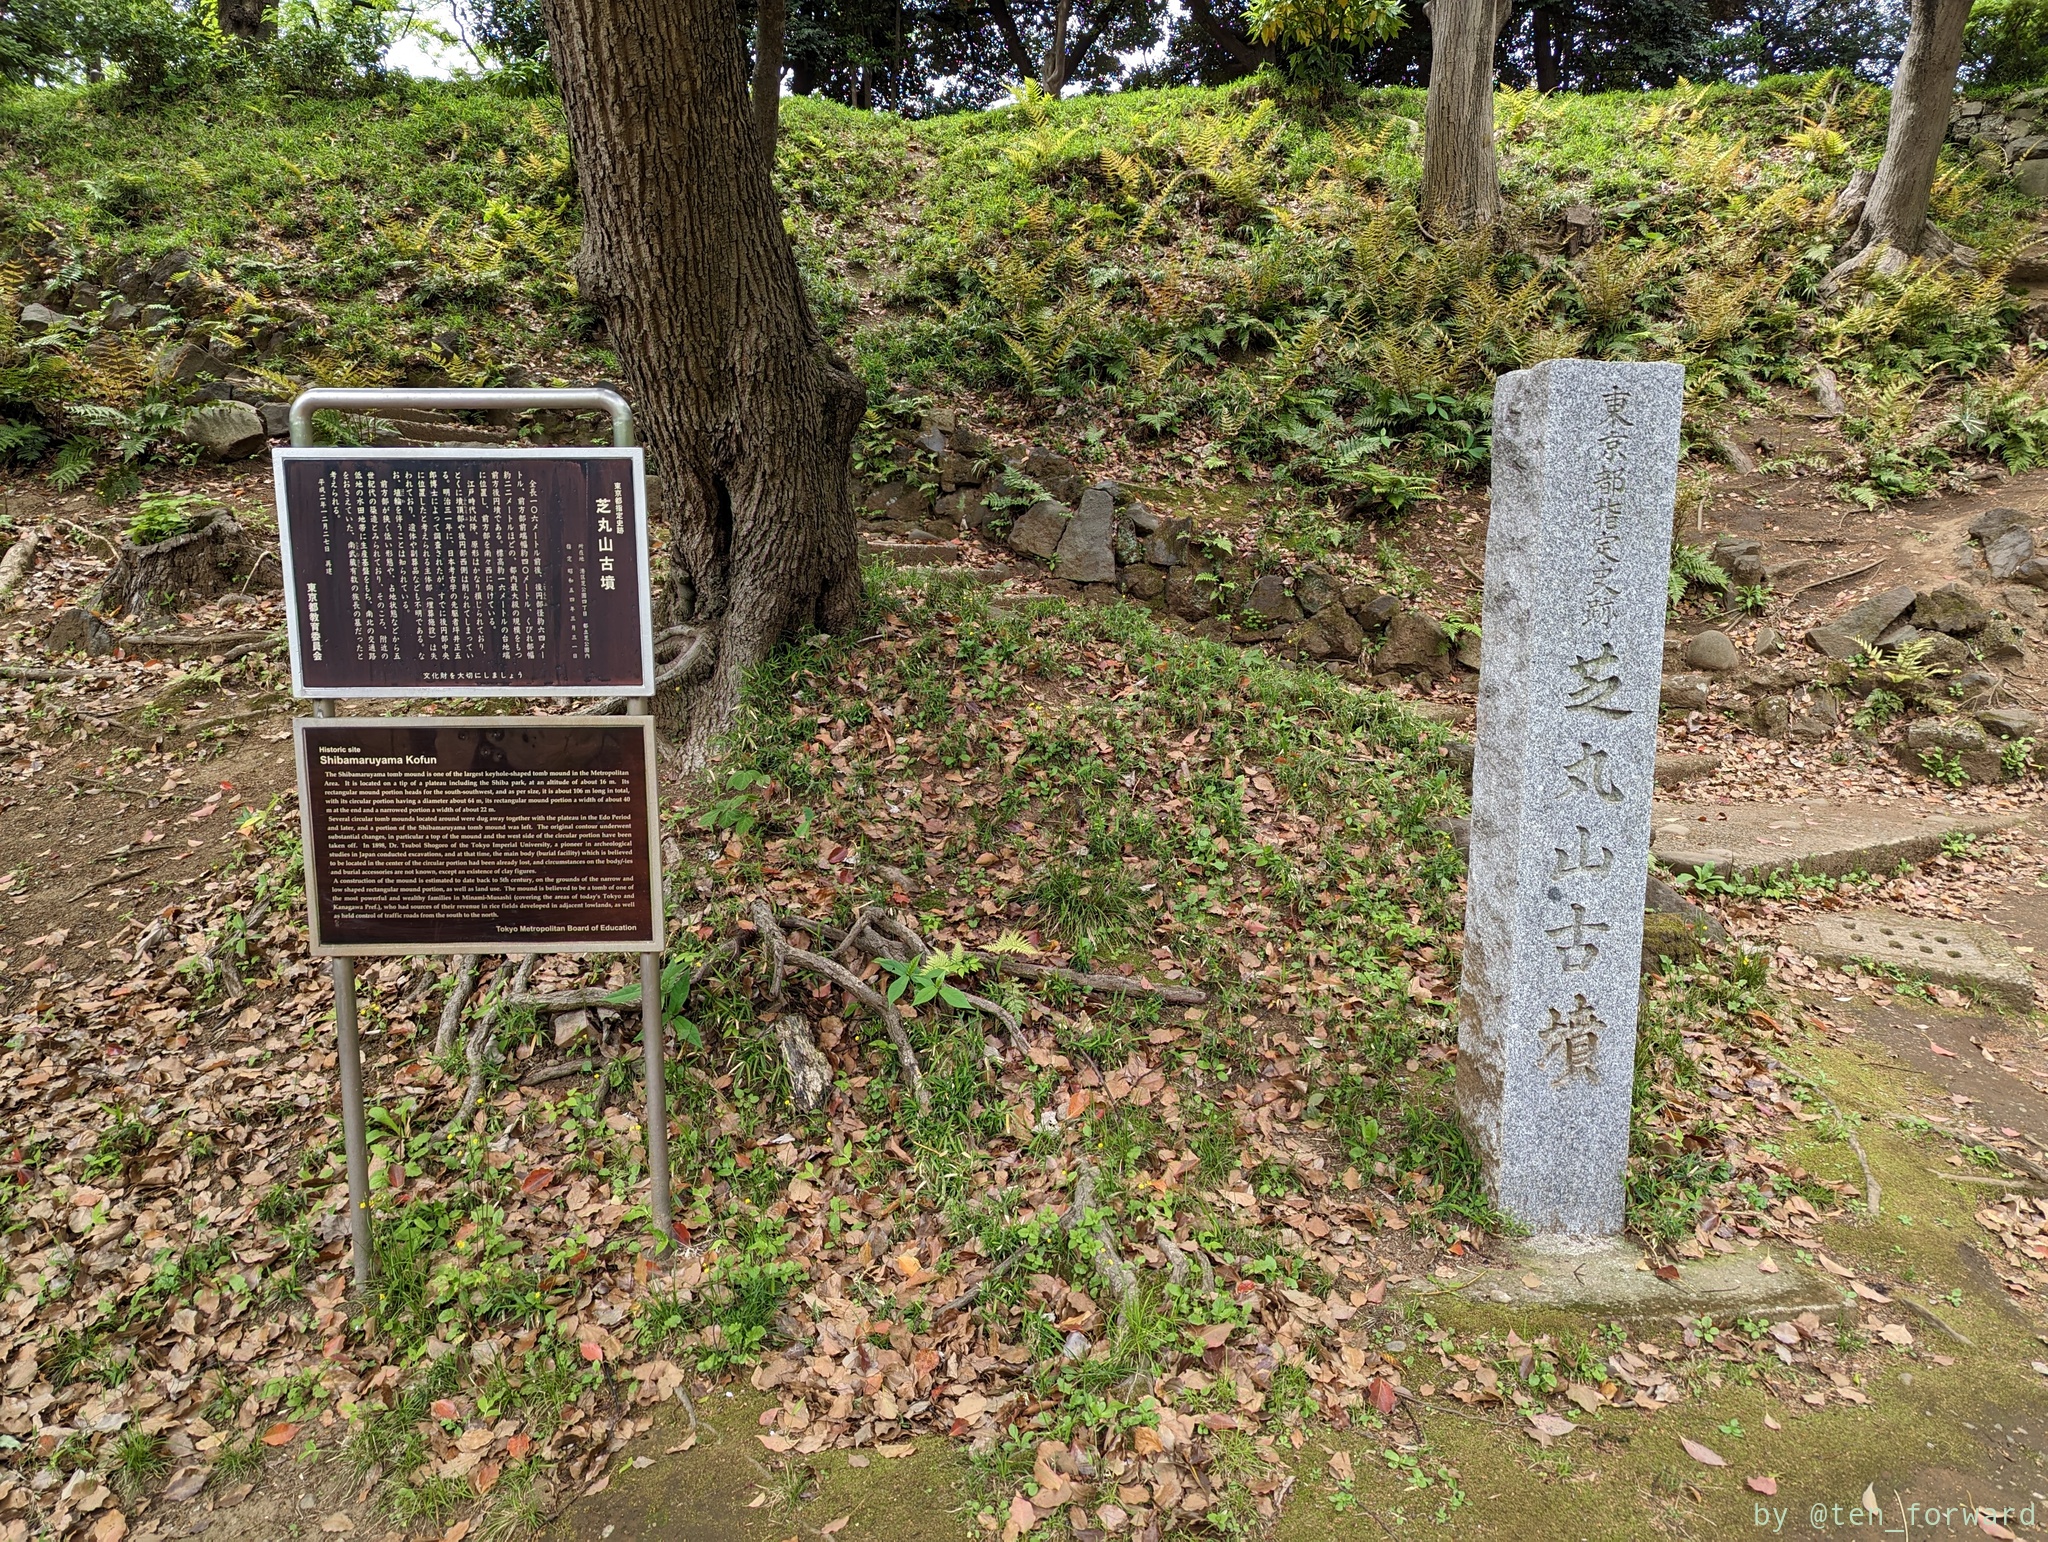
(281, 458)
(355, 1137)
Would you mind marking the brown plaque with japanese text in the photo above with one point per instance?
(471, 573)
(480, 835)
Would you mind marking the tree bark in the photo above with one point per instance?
(1248, 54)
(1893, 225)
(769, 19)
(1545, 45)
(1052, 69)
(1460, 174)
(746, 414)
(244, 19)
(1013, 40)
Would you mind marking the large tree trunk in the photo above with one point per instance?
(745, 412)
(1892, 223)
(1460, 175)
(245, 19)
(768, 28)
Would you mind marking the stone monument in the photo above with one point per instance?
(1578, 553)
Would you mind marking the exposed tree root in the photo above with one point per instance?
(477, 1049)
(1003, 963)
(458, 998)
(783, 954)
(1117, 1275)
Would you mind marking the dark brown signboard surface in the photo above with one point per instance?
(465, 573)
(480, 835)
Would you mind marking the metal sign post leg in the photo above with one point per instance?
(657, 1095)
(354, 1132)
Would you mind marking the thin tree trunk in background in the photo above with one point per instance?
(1545, 46)
(767, 91)
(1052, 70)
(1894, 212)
(1013, 40)
(1460, 173)
(1249, 55)
(746, 414)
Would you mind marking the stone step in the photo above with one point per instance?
(1827, 838)
(1959, 954)
(913, 554)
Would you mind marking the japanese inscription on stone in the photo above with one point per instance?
(484, 573)
(1577, 562)
(469, 835)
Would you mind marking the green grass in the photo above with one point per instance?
(1177, 266)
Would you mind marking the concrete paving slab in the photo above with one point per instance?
(1960, 954)
(1827, 838)
(1606, 1275)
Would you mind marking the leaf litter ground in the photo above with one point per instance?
(1132, 1262)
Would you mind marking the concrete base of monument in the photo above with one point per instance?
(1611, 1277)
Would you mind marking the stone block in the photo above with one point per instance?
(1329, 634)
(1167, 545)
(1685, 693)
(1271, 603)
(2012, 723)
(1856, 629)
(1585, 469)
(1958, 742)
(2010, 552)
(1829, 837)
(1958, 954)
(1998, 643)
(74, 629)
(1143, 517)
(1040, 529)
(1369, 607)
(1315, 592)
(1084, 554)
(1142, 581)
(1187, 597)
(1995, 521)
(226, 430)
(1952, 608)
(1416, 643)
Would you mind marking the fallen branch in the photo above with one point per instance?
(20, 557)
(782, 953)
(555, 1072)
(810, 1073)
(995, 1272)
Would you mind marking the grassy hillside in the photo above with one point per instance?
(1217, 273)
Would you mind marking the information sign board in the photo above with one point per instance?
(478, 572)
(480, 834)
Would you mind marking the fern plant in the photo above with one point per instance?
(1690, 566)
